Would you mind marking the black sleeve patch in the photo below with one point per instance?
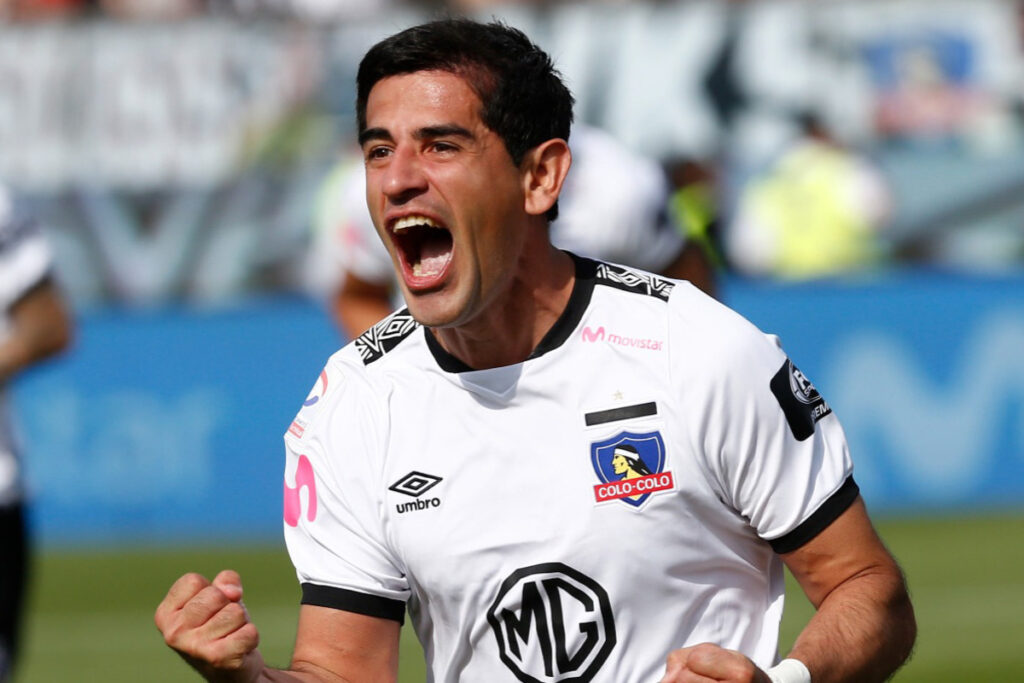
(353, 601)
(801, 403)
(819, 520)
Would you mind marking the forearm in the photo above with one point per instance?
(21, 351)
(253, 669)
(862, 631)
(40, 328)
(256, 670)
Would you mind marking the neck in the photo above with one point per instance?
(510, 329)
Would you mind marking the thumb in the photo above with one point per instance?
(676, 663)
(230, 584)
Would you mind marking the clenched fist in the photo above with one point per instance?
(707, 663)
(207, 624)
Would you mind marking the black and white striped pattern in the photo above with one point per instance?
(633, 281)
(385, 335)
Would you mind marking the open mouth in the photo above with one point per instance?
(425, 248)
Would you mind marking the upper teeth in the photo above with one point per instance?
(409, 221)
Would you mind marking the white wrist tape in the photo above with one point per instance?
(789, 671)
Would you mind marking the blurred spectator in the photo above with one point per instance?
(41, 10)
(817, 211)
(695, 207)
(614, 206)
(34, 325)
(152, 10)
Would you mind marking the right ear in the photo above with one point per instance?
(545, 168)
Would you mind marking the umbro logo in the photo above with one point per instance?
(415, 484)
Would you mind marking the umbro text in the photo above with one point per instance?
(418, 505)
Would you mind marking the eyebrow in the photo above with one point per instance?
(442, 131)
(374, 134)
(425, 133)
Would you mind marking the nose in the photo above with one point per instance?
(404, 177)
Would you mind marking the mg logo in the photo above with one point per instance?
(553, 624)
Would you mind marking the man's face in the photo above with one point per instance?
(444, 195)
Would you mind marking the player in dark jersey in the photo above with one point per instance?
(34, 325)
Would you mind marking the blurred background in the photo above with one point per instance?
(853, 172)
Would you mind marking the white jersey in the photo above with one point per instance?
(575, 517)
(614, 207)
(25, 262)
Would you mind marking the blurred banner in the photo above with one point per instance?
(180, 160)
(926, 374)
(168, 425)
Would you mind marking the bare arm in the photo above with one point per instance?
(359, 304)
(40, 328)
(864, 627)
(208, 626)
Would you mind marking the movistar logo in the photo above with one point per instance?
(593, 335)
(304, 479)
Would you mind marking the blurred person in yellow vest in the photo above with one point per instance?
(696, 211)
(817, 211)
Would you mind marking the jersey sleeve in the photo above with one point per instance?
(332, 501)
(25, 257)
(772, 447)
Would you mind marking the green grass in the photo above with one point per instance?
(91, 612)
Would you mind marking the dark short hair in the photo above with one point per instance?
(524, 99)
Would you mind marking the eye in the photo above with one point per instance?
(377, 152)
(443, 147)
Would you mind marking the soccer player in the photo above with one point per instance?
(34, 325)
(455, 461)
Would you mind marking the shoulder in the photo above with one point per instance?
(719, 344)
(349, 398)
(631, 280)
(16, 228)
(698, 317)
(25, 256)
(384, 337)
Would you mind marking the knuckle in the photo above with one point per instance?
(179, 639)
(208, 598)
(704, 652)
(234, 611)
(229, 654)
(193, 581)
(249, 636)
(229, 618)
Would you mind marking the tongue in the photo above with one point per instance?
(434, 256)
